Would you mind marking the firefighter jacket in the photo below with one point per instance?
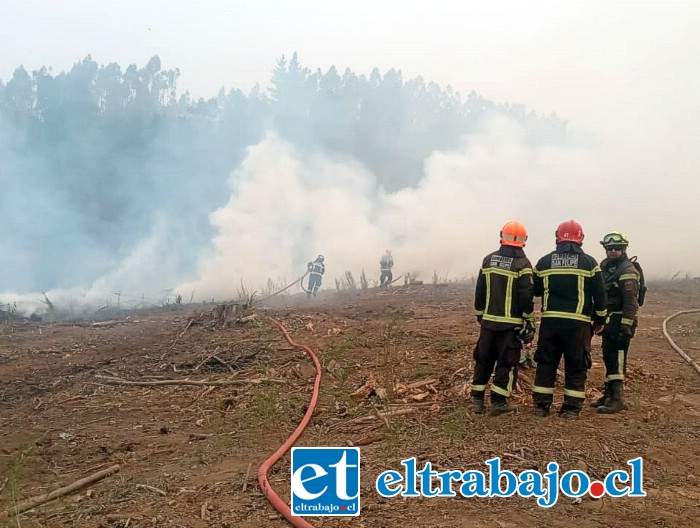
(316, 268)
(570, 283)
(503, 296)
(386, 263)
(621, 280)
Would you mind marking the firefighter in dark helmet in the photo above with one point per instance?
(622, 283)
(504, 308)
(571, 286)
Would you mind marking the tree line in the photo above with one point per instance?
(112, 148)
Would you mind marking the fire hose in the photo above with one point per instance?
(299, 280)
(275, 500)
(672, 342)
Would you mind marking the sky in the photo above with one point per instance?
(574, 58)
(624, 73)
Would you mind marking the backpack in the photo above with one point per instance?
(642, 283)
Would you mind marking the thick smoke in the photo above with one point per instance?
(283, 210)
(285, 206)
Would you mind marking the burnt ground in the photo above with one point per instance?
(189, 454)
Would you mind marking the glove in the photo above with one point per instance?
(478, 318)
(626, 332)
(526, 333)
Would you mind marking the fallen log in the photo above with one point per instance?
(60, 492)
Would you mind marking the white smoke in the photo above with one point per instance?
(285, 208)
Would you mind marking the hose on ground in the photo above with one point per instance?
(275, 500)
(672, 342)
(299, 280)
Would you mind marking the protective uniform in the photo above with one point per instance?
(503, 305)
(316, 270)
(622, 282)
(571, 286)
(385, 265)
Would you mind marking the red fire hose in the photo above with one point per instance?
(275, 500)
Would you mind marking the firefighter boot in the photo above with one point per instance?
(500, 406)
(616, 403)
(569, 412)
(478, 405)
(542, 411)
(604, 399)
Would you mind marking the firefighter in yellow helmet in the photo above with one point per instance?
(622, 285)
(505, 311)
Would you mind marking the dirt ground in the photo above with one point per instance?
(189, 454)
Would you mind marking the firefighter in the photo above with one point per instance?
(385, 265)
(503, 302)
(573, 296)
(316, 270)
(622, 283)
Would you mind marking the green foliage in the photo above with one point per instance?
(338, 351)
(263, 404)
(453, 425)
(452, 346)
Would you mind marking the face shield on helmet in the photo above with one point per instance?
(513, 234)
(615, 239)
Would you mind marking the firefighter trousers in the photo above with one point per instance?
(571, 339)
(499, 348)
(385, 277)
(615, 349)
(314, 284)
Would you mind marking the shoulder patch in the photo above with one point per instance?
(628, 285)
(566, 260)
(499, 261)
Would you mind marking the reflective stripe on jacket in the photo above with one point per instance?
(504, 289)
(317, 268)
(621, 280)
(570, 283)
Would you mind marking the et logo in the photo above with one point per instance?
(325, 481)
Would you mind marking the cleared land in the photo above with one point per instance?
(188, 454)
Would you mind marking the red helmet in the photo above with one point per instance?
(513, 234)
(569, 231)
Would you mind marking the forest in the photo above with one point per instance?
(94, 156)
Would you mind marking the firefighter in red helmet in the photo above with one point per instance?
(573, 297)
(504, 308)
